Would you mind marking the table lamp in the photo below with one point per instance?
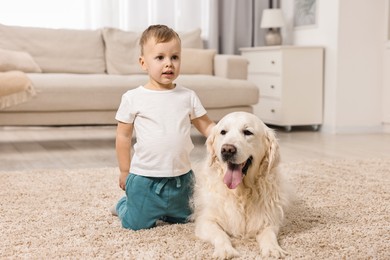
(273, 20)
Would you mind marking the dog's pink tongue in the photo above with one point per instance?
(233, 176)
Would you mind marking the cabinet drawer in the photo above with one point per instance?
(269, 62)
(269, 85)
(269, 110)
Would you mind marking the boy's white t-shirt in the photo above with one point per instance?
(162, 124)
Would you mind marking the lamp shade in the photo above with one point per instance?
(272, 18)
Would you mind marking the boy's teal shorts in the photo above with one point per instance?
(149, 199)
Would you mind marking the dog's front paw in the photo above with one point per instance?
(269, 245)
(269, 250)
(225, 252)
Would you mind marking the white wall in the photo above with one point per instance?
(351, 31)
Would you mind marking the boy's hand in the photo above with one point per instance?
(122, 180)
(204, 125)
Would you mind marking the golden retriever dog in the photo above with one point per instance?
(239, 192)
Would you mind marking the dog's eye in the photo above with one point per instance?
(223, 132)
(247, 132)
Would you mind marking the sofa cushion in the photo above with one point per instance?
(57, 50)
(17, 60)
(122, 51)
(197, 61)
(75, 92)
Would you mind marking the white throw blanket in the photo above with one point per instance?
(15, 88)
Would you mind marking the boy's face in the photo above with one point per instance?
(162, 62)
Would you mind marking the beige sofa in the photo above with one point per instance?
(79, 76)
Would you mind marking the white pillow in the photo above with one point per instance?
(197, 61)
(191, 39)
(17, 60)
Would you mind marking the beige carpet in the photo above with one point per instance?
(342, 211)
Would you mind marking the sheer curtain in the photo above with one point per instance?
(136, 15)
(93, 14)
(44, 13)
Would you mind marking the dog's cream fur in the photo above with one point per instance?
(255, 208)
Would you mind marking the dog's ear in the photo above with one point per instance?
(210, 146)
(272, 155)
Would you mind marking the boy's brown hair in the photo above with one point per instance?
(161, 33)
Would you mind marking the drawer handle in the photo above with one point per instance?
(272, 110)
(272, 62)
(272, 86)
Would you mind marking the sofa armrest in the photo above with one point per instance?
(231, 66)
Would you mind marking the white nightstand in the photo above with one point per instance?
(290, 80)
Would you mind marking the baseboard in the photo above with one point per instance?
(375, 129)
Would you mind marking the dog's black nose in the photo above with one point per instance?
(228, 151)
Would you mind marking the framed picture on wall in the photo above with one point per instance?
(305, 13)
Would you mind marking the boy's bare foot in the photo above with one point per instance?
(113, 210)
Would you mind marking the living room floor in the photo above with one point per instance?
(26, 148)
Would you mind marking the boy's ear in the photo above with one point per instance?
(141, 62)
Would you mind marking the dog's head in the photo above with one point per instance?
(242, 144)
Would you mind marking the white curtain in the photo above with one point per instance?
(182, 15)
(136, 15)
(44, 13)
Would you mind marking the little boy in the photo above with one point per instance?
(157, 179)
